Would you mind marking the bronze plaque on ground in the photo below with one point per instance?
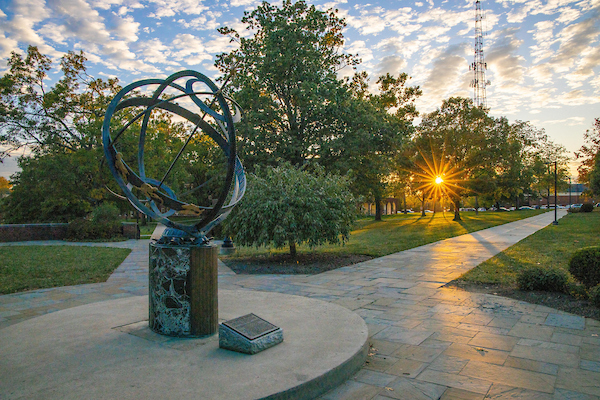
(250, 326)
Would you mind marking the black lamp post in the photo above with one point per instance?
(555, 222)
(570, 192)
(555, 194)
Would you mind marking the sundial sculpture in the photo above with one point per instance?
(183, 266)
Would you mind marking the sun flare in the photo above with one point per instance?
(436, 178)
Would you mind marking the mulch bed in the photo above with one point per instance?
(559, 301)
(285, 264)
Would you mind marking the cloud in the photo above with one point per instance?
(126, 28)
(504, 61)
(392, 64)
(189, 49)
(360, 47)
(170, 8)
(207, 21)
(244, 3)
(448, 74)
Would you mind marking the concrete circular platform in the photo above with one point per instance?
(106, 351)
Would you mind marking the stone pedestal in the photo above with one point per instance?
(183, 290)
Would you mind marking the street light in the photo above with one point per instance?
(555, 222)
(555, 194)
(570, 192)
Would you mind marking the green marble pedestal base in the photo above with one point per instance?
(183, 290)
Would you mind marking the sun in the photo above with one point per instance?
(437, 178)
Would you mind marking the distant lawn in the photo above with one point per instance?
(39, 267)
(551, 246)
(401, 232)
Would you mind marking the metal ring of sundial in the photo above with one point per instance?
(158, 196)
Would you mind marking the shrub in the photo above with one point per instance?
(83, 229)
(540, 278)
(285, 206)
(574, 210)
(576, 288)
(587, 207)
(585, 265)
(105, 213)
(595, 295)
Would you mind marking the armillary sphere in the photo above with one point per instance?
(209, 112)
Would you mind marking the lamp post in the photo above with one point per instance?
(555, 194)
(555, 222)
(569, 192)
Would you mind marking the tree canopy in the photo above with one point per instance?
(284, 78)
(63, 179)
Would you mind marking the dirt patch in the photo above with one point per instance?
(284, 264)
(559, 301)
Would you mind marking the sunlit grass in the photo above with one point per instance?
(549, 247)
(401, 232)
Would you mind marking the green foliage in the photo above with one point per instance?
(589, 167)
(585, 265)
(296, 109)
(63, 179)
(285, 81)
(84, 229)
(576, 289)
(289, 206)
(106, 212)
(587, 207)
(48, 189)
(595, 295)
(4, 187)
(543, 278)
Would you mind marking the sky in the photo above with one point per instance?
(543, 57)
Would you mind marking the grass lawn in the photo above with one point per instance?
(551, 246)
(38, 267)
(401, 232)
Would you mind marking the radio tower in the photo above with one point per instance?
(479, 65)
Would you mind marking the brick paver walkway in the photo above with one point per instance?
(428, 342)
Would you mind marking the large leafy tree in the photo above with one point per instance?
(463, 145)
(63, 178)
(588, 153)
(285, 79)
(60, 128)
(369, 132)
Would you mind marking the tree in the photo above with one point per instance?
(368, 133)
(588, 153)
(287, 206)
(284, 78)
(462, 144)
(4, 187)
(61, 125)
(594, 175)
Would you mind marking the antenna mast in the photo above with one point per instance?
(479, 65)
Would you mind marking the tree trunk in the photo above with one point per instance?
(423, 206)
(377, 207)
(293, 249)
(476, 205)
(456, 210)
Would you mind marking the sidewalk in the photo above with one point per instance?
(428, 342)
